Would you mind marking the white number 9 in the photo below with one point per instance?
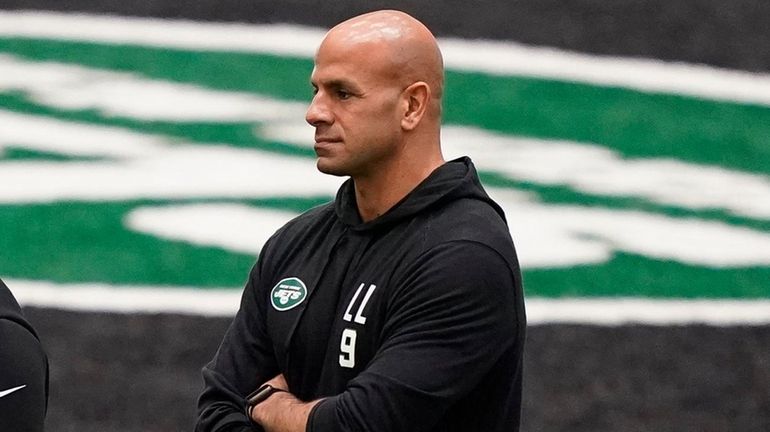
(348, 348)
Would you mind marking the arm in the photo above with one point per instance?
(282, 412)
(23, 379)
(452, 317)
(244, 360)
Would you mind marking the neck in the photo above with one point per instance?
(379, 192)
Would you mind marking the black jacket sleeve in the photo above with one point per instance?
(450, 319)
(244, 360)
(23, 370)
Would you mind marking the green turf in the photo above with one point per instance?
(632, 122)
(88, 241)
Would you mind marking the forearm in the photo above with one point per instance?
(282, 412)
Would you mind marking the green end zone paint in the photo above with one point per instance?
(148, 169)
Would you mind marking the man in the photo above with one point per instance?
(398, 307)
(23, 370)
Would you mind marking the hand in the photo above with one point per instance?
(278, 382)
(282, 411)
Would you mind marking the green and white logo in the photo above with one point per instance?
(142, 157)
(288, 293)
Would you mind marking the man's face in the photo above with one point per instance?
(354, 108)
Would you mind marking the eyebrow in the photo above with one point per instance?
(338, 83)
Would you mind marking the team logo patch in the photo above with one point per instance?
(288, 293)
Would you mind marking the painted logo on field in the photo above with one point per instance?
(288, 293)
(89, 128)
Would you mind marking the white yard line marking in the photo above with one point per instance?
(587, 167)
(224, 302)
(494, 57)
(126, 299)
(197, 170)
(232, 227)
(584, 235)
(618, 311)
(75, 87)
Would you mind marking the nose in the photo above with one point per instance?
(318, 112)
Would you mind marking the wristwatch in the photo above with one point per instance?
(260, 395)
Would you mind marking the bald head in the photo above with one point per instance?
(376, 109)
(395, 43)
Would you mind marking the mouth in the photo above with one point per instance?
(322, 145)
(326, 140)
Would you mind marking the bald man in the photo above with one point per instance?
(397, 307)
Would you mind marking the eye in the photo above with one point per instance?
(343, 94)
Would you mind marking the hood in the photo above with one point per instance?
(456, 179)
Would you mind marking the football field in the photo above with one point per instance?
(144, 163)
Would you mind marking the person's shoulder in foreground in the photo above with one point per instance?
(23, 370)
(399, 306)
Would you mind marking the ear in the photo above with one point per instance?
(416, 98)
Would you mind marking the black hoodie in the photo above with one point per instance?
(23, 370)
(413, 321)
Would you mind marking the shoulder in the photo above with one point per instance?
(23, 376)
(10, 312)
(459, 279)
(472, 218)
(20, 346)
(470, 222)
(17, 337)
(459, 261)
(308, 224)
(308, 221)
(304, 231)
(8, 304)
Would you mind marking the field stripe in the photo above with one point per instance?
(619, 311)
(99, 297)
(116, 80)
(224, 302)
(499, 58)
